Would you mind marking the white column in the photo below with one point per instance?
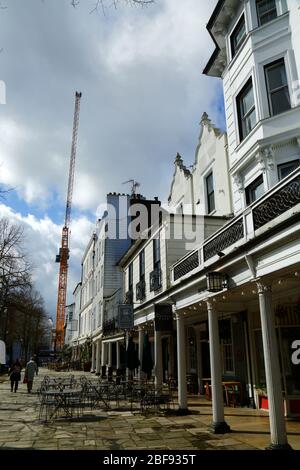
(158, 358)
(118, 355)
(98, 357)
(218, 426)
(181, 361)
(141, 343)
(272, 367)
(109, 354)
(93, 358)
(103, 358)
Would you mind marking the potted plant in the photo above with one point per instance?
(86, 352)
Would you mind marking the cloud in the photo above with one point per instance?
(41, 240)
(139, 70)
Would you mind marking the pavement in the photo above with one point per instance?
(114, 430)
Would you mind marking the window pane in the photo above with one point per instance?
(276, 76)
(210, 183)
(287, 168)
(247, 113)
(280, 101)
(258, 191)
(255, 190)
(238, 36)
(247, 100)
(142, 264)
(211, 203)
(248, 123)
(266, 11)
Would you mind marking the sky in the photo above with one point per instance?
(143, 94)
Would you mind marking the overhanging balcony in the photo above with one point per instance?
(269, 211)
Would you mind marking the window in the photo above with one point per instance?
(238, 36)
(287, 168)
(266, 11)
(156, 253)
(277, 87)
(210, 193)
(255, 190)
(130, 277)
(142, 265)
(246, 110)
(226, 346)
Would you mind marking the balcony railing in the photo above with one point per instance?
(141, 290)
(110, 327)
(280, 199)
(186, 265)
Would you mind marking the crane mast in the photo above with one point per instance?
(63, 256)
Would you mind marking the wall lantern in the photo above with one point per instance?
(216, 282)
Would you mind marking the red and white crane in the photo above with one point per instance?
(64, 251)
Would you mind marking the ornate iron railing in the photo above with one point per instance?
(110, 327)
(155, 279)
(280, 202)
(227, 238)
(186, 266)
(141, 290)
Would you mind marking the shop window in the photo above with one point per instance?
(277, 87)
(238, 36)
(246, 110)
(285, 169)
(266, 11)
(226, 346)
(255, 190)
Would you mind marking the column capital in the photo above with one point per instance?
(178, 314)
(262, 287)
(211, 304)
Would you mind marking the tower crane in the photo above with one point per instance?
(63, 256)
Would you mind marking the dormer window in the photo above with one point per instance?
(238, 36)
(266, 11)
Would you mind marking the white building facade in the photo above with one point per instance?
(242, 301)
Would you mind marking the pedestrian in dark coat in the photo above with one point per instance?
(31, 369)
(15, 375)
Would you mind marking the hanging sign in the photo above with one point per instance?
(125, 317)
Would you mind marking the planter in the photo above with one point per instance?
(263, 402)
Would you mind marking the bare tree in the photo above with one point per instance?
(14, 269)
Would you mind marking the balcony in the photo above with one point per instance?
(141, 290)
(276, 206)
(155, 280)
(110, 328)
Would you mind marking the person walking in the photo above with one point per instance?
(31, 369)
(15, 375)
(36, 360)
